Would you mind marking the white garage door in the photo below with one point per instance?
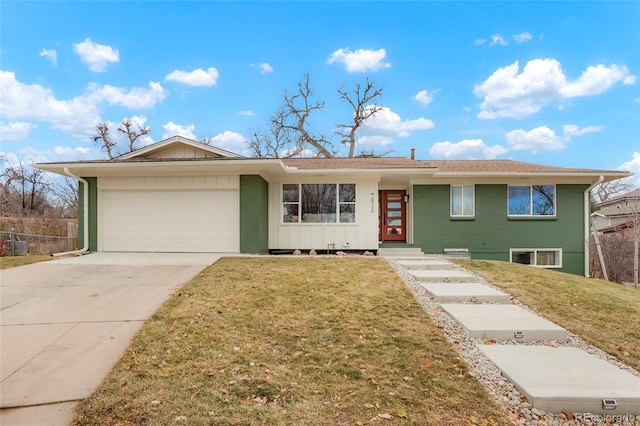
(170, 220)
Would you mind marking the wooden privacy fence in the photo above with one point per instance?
(20, 243)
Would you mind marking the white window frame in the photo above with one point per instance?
(338, 216)
(530, 214)
(534, 252)
(473, 201)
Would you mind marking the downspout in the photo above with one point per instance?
(85, 223)
(587, 223)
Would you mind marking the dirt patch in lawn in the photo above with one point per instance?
(308, 341)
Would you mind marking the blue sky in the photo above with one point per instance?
(547, 82)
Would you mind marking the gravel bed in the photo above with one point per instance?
(500, 388)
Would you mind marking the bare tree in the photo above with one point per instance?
(363, 102)
(607, 190)
(291, 120)
(133, 131)
(277, 144)
(25, 190)
(65, 197)
(291, 132)
(103, 135)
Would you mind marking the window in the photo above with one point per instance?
(534, 200)
(544, 258)
(462, 200)
(319, 203)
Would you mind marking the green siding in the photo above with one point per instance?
(254, 214)
(491, 234)
(93, 213)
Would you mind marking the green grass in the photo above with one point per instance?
(309, 341)
(604, 314)
(7, 262)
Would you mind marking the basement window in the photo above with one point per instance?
(543, 258)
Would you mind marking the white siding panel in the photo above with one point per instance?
(361, 235)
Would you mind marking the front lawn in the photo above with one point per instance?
(291, 341)
(7, 262)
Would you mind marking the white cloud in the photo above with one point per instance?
(173, 129)
(361, 60)
(14, 130)
(596, 79)
(51, 55)
(136, 98)
(509, 93)
(424, 97)
(198, 77)
(246, 113)
(539, 139)
(633, 166)
(479, 41)
(97, 56)
(67, 152)
(497, 39)
(264, 67)
(388, 123)
(79, 115)
(381, 129)
(522, 37)
(231, 141)
(571, 130)
(469, 149)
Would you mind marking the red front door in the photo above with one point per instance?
(393, 210)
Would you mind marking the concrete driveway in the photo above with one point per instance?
(65, 323)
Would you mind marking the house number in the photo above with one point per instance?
(373, 202)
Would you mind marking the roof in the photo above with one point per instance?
(355, 163)
(504, 166)
(181, 155)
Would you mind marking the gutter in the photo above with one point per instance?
(587, 223)
(85, 223)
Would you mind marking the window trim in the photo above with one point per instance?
(338, 204)
(530, 215)
(535, 256)
(473, 202)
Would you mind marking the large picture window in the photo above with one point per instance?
(462, 201)
(319, 203)
(544, 258)
(532, 200)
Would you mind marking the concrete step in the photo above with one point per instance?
(453, 276)
(425, 264)
(504, 322)
(400, 252)
(568, 379)
(466, 292)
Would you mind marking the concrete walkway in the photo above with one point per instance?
(553, 378)
(65, 323)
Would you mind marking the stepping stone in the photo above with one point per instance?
(425, 264)
(452, 276)
(466, 292)
(568, 379)
(504, 322)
